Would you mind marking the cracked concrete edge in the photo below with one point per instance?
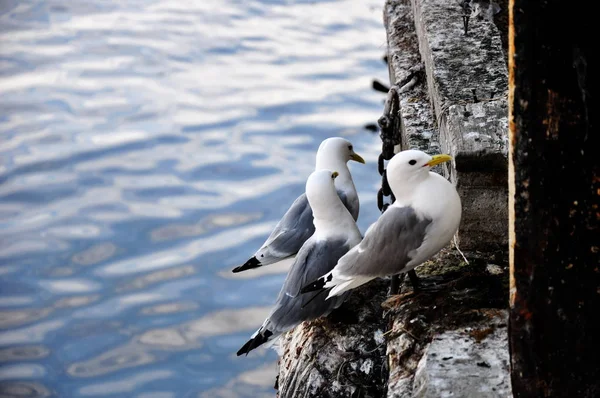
(466, 362)
(467, 309)
(461, 68)
(467, 80)
(417, 118)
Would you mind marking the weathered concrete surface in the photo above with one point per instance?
(341, 355)
(405, 66)
(459, 67)
(464, 302)
(465, 78)
(468, 362)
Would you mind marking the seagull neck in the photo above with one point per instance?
(329, 211)
(404, 189)
(331, 217)
(344, 180)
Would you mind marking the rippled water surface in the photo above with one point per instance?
(146, 148)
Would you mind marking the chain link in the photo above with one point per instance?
(389, 124)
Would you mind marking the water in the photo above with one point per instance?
(146, 148)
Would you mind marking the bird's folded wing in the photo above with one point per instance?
(388, 245)
(351, 204)
(294, 228)
(314, 259)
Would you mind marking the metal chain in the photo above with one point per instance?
(389, 125)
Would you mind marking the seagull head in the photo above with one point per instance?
(408, 168)
(320, 191)
(335, 152)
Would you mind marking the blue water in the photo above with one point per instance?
(146, 148)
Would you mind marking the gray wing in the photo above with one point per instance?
(388, 246)
(350, 203)
(316, 258)
(290, 233)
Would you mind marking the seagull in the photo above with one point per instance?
(422, 220)
(296, 226)
(335, 233)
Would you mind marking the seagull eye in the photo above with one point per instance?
(350, 147)
(412, 162)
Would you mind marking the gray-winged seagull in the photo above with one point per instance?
(296, 226)
(335, 233)
(422, 220)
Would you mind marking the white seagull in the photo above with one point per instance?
(422, 220)
(335, 233)
(296, 226)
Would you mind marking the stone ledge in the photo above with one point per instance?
(462, 298)
(462, 94)
(404, 63)
(467, 362)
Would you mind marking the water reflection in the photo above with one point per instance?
(225, 322)
(169, 308)
(22, 353)
(255, 383)
(158, 276)
(23, 389)
(212, 222)
(11, 319)
(123, 358)
(95, 254)
(146, 149)
(147, 347)
(76, 301)
(125, 385)
(22, 371)
(30, 334)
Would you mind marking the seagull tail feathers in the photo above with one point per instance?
(259, 338)
(319, 284)
(343, 285)
(250, 264)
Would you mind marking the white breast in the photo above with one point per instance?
(436, 199)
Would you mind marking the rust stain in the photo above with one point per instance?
(512, 132)
(480, 334)
(552, 121)
(526, 314)
(511, 63)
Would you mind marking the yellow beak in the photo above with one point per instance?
(437, 159)
(334, 174)
(357, 158)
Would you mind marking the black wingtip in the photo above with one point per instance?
(252, 263)
(259, 339)
(313, 297)
(319, 284)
